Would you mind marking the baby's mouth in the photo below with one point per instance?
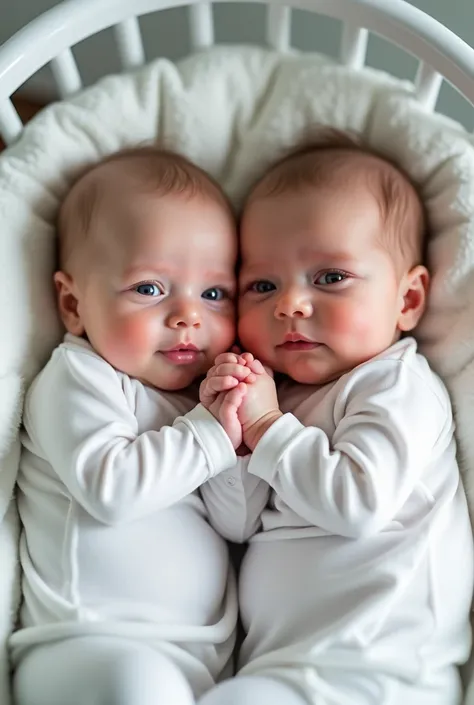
(294, 342)
(298, 345)
(182, 354)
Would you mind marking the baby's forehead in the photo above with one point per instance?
(358, 179)
(303, 225)
(111, 197)
(313, 209)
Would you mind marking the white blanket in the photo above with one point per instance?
(230, 110)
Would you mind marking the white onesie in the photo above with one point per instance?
(116, 540)
(358, 588)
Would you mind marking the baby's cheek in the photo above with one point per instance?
(130, 337)
(251, 332)
(348, 319)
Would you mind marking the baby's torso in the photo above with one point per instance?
(305, 591)
(169, 567)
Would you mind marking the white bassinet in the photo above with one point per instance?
(229, 109)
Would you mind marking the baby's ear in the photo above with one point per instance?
(413, 295)
(68, 303)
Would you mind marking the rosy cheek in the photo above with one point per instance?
(251, 331)
(347, 318)
(223, 336)
(130, 336)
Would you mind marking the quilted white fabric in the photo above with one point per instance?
(231, 110)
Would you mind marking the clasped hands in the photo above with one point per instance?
(241, 394)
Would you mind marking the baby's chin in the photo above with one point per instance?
(307, 371)
(171, 382)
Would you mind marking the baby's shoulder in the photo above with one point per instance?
(73, 362)
(75, 371)
(404, 358)
(399, 373)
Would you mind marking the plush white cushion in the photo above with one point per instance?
(231, 110)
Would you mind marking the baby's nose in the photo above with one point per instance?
(187, 316)
(293, 304)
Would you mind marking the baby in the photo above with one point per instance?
(128, 598)
(357, 589)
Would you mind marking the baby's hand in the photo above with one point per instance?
(223, 390)
(259, 407)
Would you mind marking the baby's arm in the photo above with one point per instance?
(78, 415)
(234, 499)
(353, 484)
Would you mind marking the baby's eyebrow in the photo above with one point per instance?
(255, 265)
(329, 255)
(217, 276)
(309, 257)
(137, 269)
(213, 276)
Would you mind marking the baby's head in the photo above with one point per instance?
(332, 240)
(147, 254)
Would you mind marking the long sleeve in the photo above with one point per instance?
(79, 418)
(235, 500)
(387, 421)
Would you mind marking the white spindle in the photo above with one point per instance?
(129, 43)
(201, 25)
(66, 74)
(10, 122)
(279, 27)
(428, 83)
(354, 46)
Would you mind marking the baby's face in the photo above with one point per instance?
(319, 293)
(157, 287)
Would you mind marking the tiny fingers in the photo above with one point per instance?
(221, 384)
(257, 367)
(234, 397)
(225, 357)
(235, 370)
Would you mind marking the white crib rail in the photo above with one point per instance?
(129, 43)
(354, 45)
(428, 83)
(10, 122)
(202, 25)
(279, 27)
(66, 73)
(49, 38)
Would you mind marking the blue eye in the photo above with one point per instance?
(148, 289)
(214, 294)
(262, 287)
(331, 277)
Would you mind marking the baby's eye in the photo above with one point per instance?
(148, 289)
(331, 277)
(262, 287)
(215, 293)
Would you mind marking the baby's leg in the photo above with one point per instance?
(252, 690)
(99, 671)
